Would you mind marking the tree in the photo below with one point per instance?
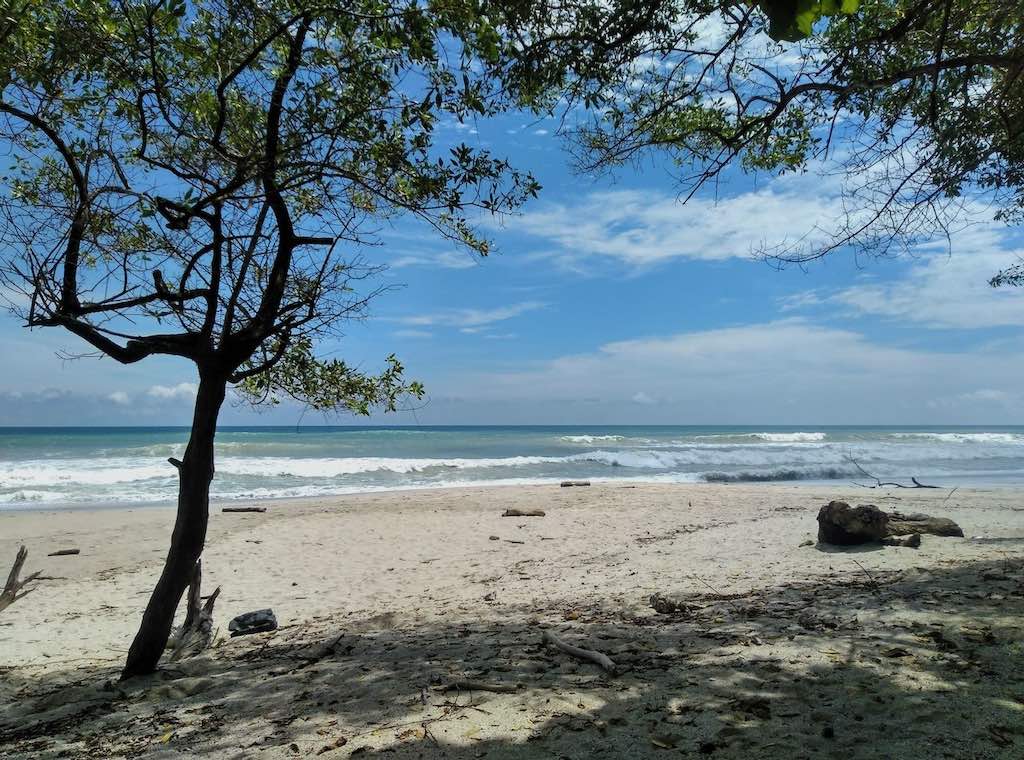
(919, 104)
(197, 179)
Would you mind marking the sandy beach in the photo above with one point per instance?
(411, 626)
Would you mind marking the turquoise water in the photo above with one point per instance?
(123, 466)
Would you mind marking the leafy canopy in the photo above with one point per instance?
(919, 105)
(202, 178)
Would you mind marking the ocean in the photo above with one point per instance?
(67, 467)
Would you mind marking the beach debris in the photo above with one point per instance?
(523, 513)
(196, 633)
(258, 621)
(912, 541)
(900, 524)
(879, 483)
(467, 684)
(64, 552)
(662, 604)
(11, 594)
(582, 654)
(341, 741)
(243, 509)
(574, 483)
(843, 525)
(493, 538)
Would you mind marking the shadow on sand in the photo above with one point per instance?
(922, 663)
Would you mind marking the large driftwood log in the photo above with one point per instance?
(523, 513)
(11, 594)
(196, 633)
(900, 525)
(843, 525)
(583, 654)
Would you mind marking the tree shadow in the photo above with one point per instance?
(918, 663)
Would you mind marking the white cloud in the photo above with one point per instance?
(412, 333)
(468, 320)
(951, 290)
(119, 397)
(642, 398)
(179, 392)
(785, 372)
(443, 259)
(945, 286)
(644, 228)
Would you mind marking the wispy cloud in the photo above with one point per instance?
(442, 259)
(468, 320)
(412, 333)
(643, 228)
(944, 291)
(939, 290)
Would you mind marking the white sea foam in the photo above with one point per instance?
(588, 439)
(790, 437)
(1013, 438)
(281, 466)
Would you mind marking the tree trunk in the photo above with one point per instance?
(195, 471)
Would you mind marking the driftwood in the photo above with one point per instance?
(64, 552)
(196, 633)
(843, 525)
(583, 654)
(470, 685)
(577, 483)
(11, 594)
(523, 513)
(900, 525)
(244, 509)
(879, 483)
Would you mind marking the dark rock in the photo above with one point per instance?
(843, 525)
(259, 621)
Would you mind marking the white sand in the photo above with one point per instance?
(785, 650)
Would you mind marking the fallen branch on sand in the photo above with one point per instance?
(10, 593)
(523, 513)
(574, 483)
(583, 654)
(470, 685)
(196, 633)
(244, 509)
(883, 484)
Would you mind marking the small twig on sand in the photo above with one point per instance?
(583, 654)
(871, 579)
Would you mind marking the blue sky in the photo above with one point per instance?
(610, 302)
